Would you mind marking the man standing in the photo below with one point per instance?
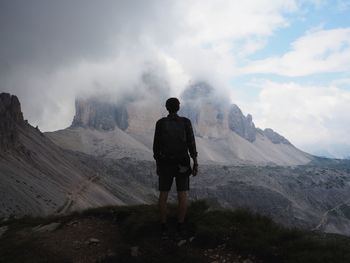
(173, 140)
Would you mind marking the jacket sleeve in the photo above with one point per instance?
(156, 142)
(191, 142)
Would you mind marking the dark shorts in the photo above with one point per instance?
(167, 173)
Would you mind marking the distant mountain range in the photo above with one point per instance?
(223, 134)
(105, 158)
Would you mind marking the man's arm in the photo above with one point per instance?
(156, 142)
(191, 144)
(156, 146)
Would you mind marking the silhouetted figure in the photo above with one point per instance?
(173, 142)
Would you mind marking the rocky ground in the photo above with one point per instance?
(131, 234)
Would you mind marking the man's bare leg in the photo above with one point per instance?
(163, 198)
(182, 208)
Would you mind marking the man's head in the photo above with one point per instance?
(172, 105)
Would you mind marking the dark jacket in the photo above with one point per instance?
(158, 135)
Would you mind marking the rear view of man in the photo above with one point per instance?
(173, 140)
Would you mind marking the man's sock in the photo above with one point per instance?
(164, 231)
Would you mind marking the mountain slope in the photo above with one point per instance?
(109, 144)
(36, 176)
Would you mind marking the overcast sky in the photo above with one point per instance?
(287, 62)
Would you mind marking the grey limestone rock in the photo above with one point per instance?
(10, 117)
(240, 124)
(94, 113)
(274, 137)
(205, 107)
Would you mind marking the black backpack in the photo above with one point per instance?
(174, 140)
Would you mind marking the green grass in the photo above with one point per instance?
(251, 234)
(244, 233)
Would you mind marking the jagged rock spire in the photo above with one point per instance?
(10, 117)
(240, 124)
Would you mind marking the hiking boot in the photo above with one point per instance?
(181, 231)
(164, 233)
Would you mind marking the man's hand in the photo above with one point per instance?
(195, 169)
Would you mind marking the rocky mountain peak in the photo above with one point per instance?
(240, 124)
(211, 114)
(98, 114)
(274, 137)
(10, 108)
(10, 116)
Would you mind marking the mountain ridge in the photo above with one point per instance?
(215, 122)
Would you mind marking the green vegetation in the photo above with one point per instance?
(240, 233)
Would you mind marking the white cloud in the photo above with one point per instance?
(214, 21)
(67, 48)
(312, 117)
(317, 52)
(52, 52)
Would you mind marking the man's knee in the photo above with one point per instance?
(182, 195)
(163, 195)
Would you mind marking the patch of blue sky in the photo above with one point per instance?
(329, 16)
(279, 43)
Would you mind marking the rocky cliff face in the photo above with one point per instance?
(240, 124)
(10, 117)
(206, 110)
(99, 115)
(274, 136)
(214, 116)
(223, 133)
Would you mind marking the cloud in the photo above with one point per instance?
(48, 99)
(316, 52)
(311, 117)
(216, 21)
(52, 51)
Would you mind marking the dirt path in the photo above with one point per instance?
(72, 196)
(324, 217)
